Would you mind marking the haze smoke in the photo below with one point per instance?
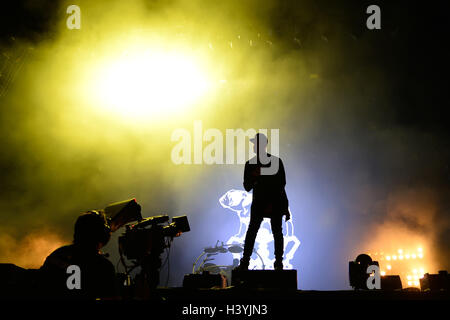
(358, 178)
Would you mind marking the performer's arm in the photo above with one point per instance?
(282, 175)
(249, 177)
(282, 181)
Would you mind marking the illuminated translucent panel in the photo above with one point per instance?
(394, 257)
(413, 256)
(407, 256)
(389, 267)
(388, 258)
(239, 202)
(420, 255)
(383, 273)
(408, 277)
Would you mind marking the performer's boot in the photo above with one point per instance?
(278, 265)
(244, 263)
(279, 243)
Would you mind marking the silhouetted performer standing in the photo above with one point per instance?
(269, 199)
(98, 277)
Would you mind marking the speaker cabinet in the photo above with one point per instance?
(391, 283)
(435, 282)
(267, 279)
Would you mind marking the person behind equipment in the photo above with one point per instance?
(97, 273)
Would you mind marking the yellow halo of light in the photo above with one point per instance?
(149, 83)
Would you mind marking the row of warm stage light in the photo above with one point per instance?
(414, 279)
(417, 274)
(407, 256)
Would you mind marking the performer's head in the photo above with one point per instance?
(259, 142)
(260, 148)
(92, 230)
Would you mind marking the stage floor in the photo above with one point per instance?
(238, 303)
(274, 295)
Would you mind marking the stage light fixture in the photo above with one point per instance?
(358, 271)
(123, 212)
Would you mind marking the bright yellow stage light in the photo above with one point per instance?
(149, 83)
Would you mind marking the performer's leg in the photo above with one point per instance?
(250, 238)
(277, 231)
